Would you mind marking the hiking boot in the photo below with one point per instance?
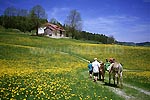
(94, 80)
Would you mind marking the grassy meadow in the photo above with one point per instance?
(34, 68)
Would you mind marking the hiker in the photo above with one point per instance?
(96, 66)
(107, 64)
(111, 61)
(90, 69)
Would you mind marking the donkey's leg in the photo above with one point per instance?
(103, 75)
(117, 80)
(114, 78)
(99, 75)
(121, 80)
(109, 77)
(117, 76)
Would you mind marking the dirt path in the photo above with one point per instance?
(121, 93)
(118, 91)
(138, 89)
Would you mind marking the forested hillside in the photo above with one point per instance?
(27, 21)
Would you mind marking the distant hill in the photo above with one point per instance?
(134, 44)
(126, 43)
(143, 44)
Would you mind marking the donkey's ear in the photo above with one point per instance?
(121, 64)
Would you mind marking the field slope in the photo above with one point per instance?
(34, 67)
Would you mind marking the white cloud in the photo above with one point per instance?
(141, 28)
(109, 23)
(59, 13)
(123, 28)
(104, 25)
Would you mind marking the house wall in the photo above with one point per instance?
(40, 30)
(55, 33)
(48, 32)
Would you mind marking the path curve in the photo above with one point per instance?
(117, 90)
(136, 88)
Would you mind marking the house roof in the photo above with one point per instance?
(53, 27)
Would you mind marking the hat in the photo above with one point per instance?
(95, 58)
(111, 59)
(101, 61)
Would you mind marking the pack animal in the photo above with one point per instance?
(116, 71)
(102, 72)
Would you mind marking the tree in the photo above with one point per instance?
(8, 21)
(110, 40)
(11, 11)
(74, 22)
(37, 13)
(23, 12)
(54, 21)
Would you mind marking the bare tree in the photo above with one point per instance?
(53, 20)
(74, 22)
(10, 11)
(111, 39)
(37, 13)
(23, 12)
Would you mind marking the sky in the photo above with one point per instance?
(125, 20)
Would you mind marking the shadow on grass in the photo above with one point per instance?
(111, 85)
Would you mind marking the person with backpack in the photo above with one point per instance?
(96, 66)
(107, 64)
(90, 67)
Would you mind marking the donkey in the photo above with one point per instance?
(102, 72)
(116, 70)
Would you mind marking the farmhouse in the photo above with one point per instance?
(51, 30)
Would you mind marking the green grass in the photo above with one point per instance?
(39, 67)
(141, 79)
(136, 93)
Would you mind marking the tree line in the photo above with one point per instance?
(73, 26)
(26, 21)
(23, 19)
